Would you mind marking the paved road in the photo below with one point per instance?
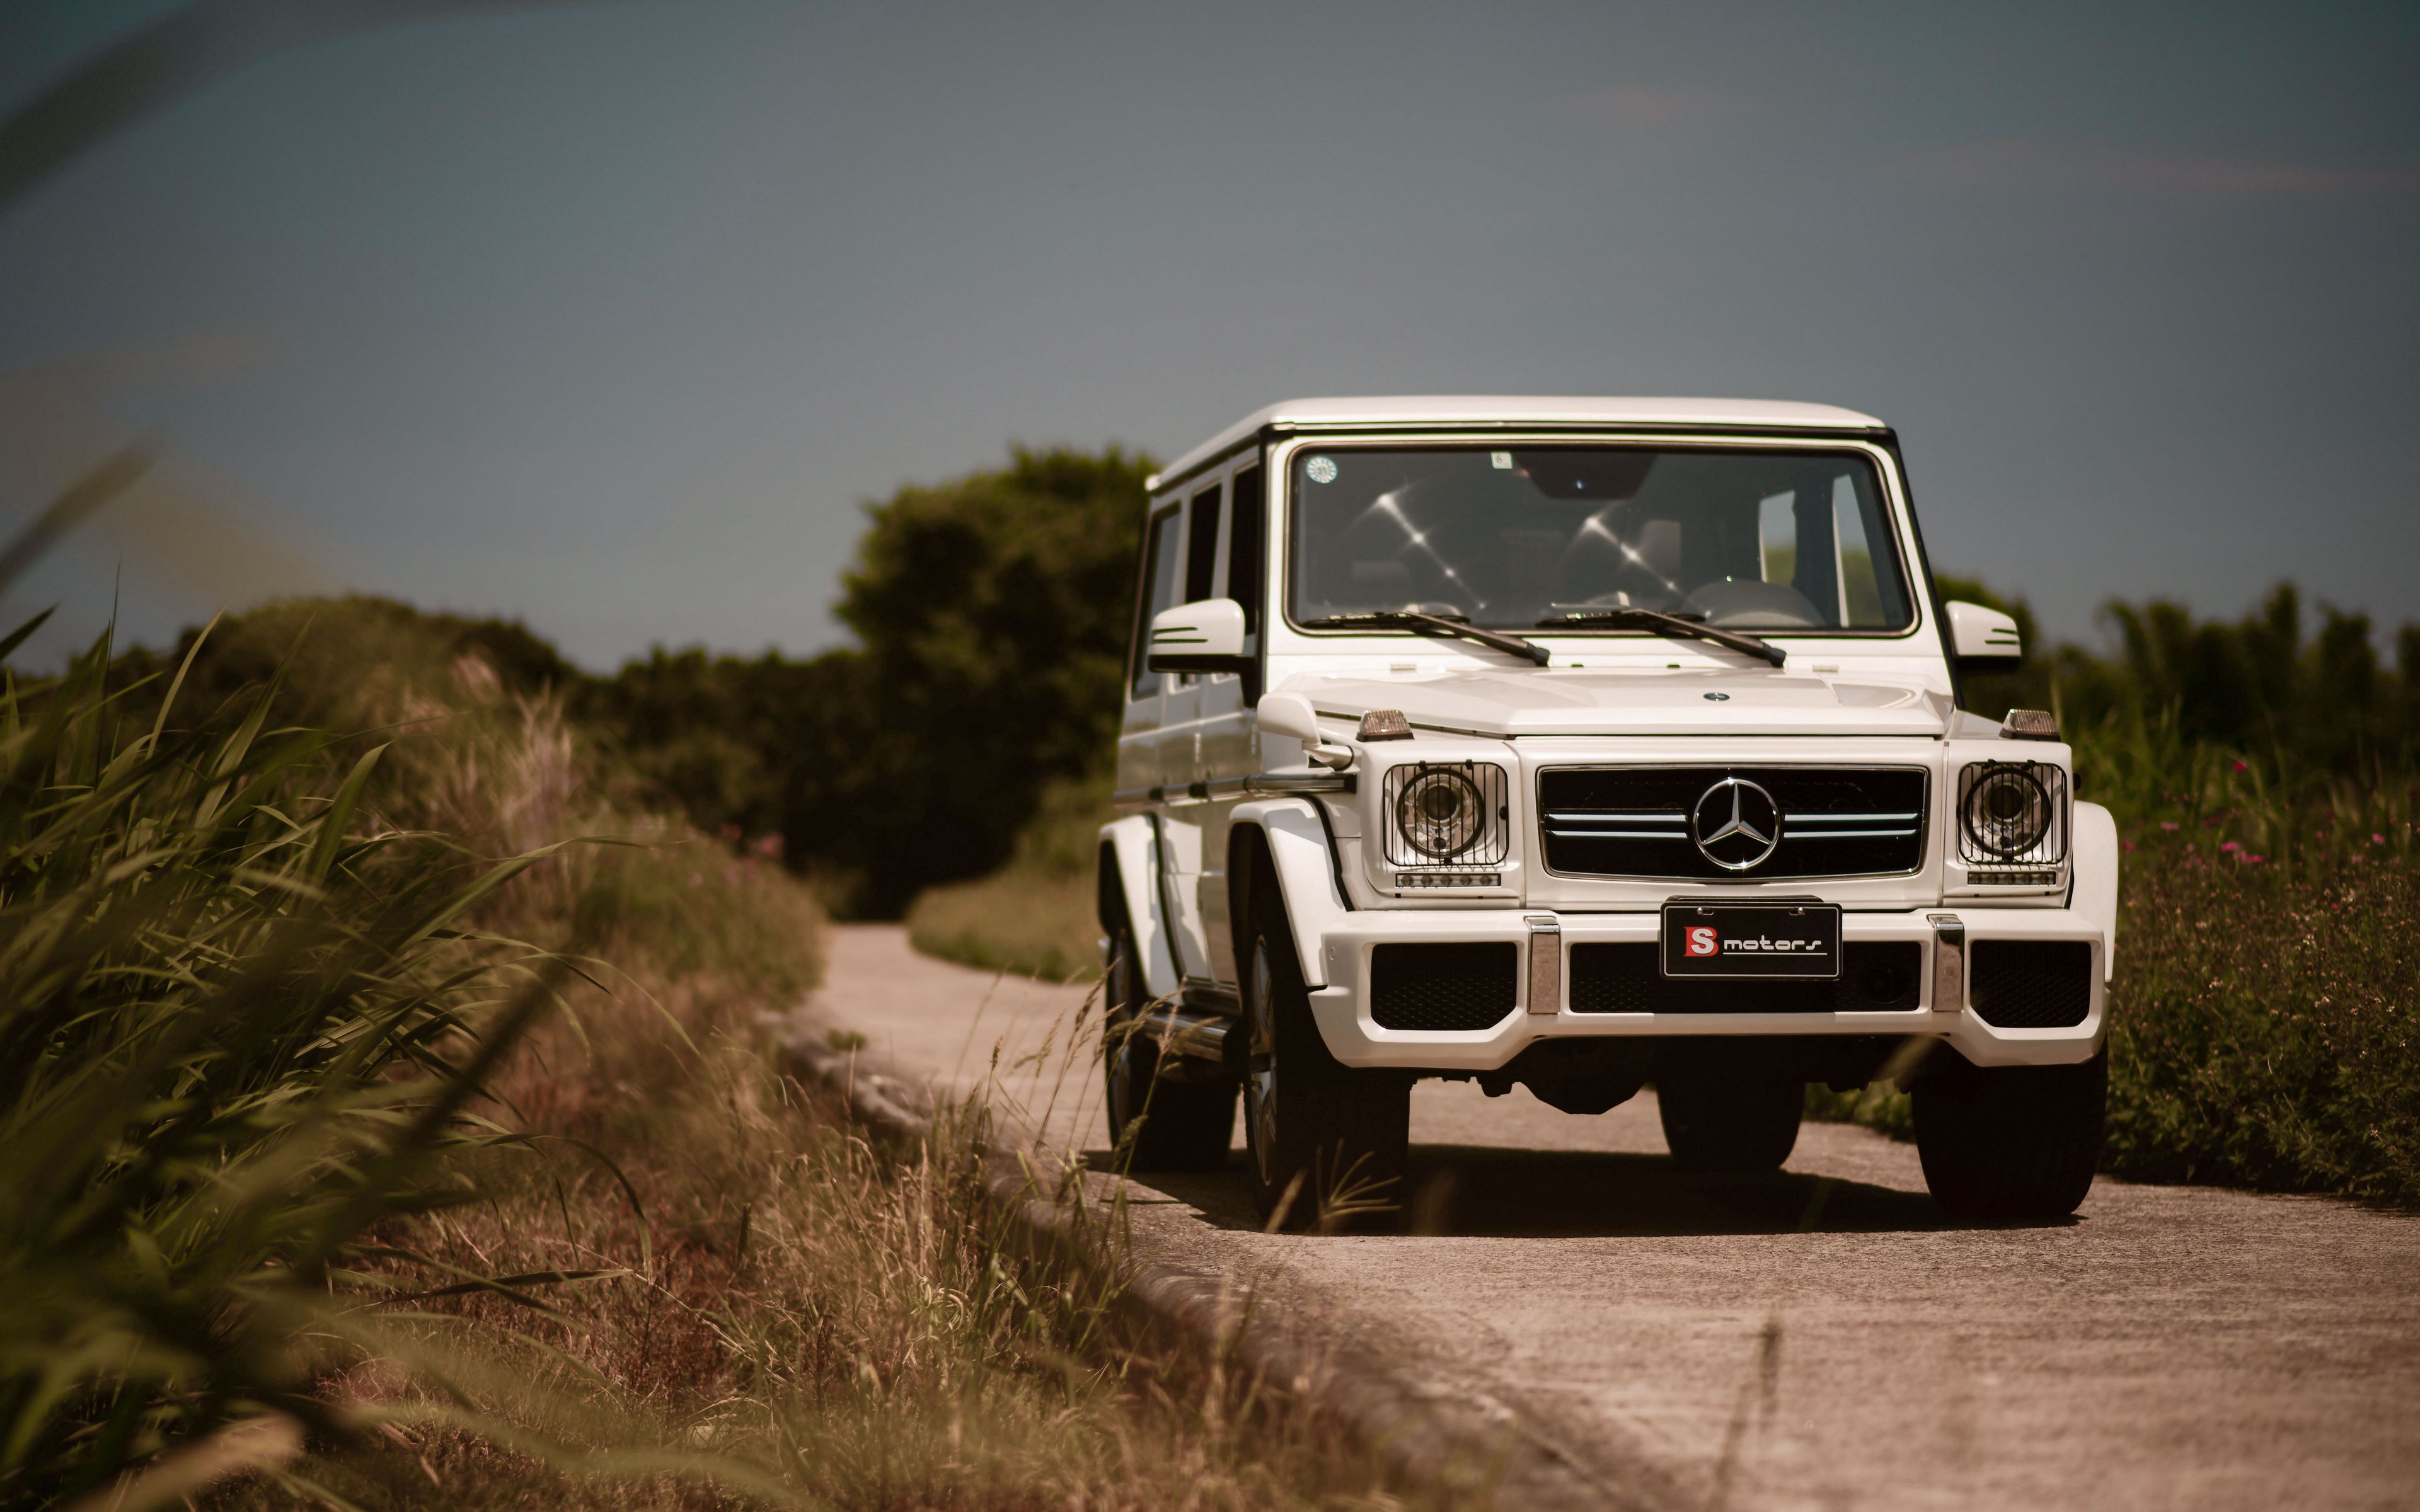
(1822, 1338)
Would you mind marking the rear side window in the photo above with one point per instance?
(1201, 546)
(1245, 548)
(1158, 592)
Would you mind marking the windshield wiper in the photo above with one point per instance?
(1405, 618)
(1663, 624)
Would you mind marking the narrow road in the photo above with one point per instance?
(1821, 1338)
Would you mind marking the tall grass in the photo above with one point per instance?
(836, 1321)
(239, 1027)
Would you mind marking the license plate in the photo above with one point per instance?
(1752, 940)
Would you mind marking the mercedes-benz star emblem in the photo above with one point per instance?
(1736, 825)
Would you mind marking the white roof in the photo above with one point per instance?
(1515, 409)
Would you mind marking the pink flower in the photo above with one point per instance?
(2229, 845)
(2243, 766)
(2128, 844)
(2376, 838)
(2167, 823)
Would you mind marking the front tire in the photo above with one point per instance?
(2017, 1142)
(1164, 1124)
(1745, 1125)
(1328, 1142)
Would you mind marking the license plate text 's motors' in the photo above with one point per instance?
(1778, 939)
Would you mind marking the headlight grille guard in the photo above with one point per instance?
(1484, 785)
(2037, 792)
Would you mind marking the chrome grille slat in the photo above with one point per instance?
(1633, 822)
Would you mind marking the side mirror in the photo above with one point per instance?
(1207, 637)
(1982, 639)
(1288, 715)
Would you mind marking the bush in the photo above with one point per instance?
(2265, 1023)
(992, 613)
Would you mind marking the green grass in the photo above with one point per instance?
(1036, 915)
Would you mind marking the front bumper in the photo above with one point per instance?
(1342, 1007)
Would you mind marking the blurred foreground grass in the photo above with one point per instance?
(372, 1140)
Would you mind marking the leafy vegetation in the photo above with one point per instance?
(992, 613)
(2264, 1009)
(1037, 915)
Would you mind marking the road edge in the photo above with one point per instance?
(1436, 1433)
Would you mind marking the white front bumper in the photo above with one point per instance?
(1341, 1008)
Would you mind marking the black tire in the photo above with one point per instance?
(2018, 1142)
(1742, 1124)
(1176, 1125)
(1326, 1142)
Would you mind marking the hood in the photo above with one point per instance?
(1577, 703)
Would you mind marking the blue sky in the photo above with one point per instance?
(610, 315)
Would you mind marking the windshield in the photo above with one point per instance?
(1767, 541)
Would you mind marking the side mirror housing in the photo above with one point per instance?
(1982, 639)
(1205, 636)
(1288, 715)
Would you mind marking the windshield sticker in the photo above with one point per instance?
(1320, 470)
(1503, 460)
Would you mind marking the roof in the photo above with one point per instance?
(1519, 409)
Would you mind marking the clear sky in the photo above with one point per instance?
(610, 315)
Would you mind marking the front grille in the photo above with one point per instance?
(2030, 984)
(1635, 821)
(1875, 977)
(1461, 986)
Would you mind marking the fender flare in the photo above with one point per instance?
(1300, 851)
(2094, 892)
(1129, 874)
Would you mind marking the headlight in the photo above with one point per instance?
(2012, 812)
(1445, 813)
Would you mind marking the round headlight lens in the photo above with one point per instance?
(2007, 811)
(1440, 813)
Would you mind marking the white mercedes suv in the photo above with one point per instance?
(1585, 744)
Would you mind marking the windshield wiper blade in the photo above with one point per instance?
(1663, 624)
(1405, 618)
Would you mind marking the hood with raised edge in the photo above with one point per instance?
(1691, 702)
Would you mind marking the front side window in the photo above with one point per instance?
(1767, 541)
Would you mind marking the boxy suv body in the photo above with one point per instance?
(1584, 743)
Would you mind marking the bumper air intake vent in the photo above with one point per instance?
(1443, 987)
(1875, 977)
(2029, 984)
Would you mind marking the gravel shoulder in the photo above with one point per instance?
(1822, 1338)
